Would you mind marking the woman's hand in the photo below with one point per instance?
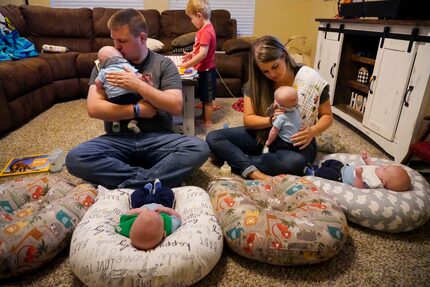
(303, 137)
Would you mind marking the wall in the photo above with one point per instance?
(286, 18)
(280, 18)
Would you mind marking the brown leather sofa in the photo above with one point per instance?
(30, 86)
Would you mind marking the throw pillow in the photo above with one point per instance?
(154, 44)
(184, 40)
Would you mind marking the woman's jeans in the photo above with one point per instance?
(240, 148)
(128, 160)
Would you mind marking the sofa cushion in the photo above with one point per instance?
(31, 104)
(221, 19)
(174, 23)
(184, 40)
(47, 26)
(85, 64)
(231, 66)
(30, 73)
(62, 64)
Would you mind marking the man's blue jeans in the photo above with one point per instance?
(131, 160)
(240, 148)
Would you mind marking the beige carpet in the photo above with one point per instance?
(370, 258)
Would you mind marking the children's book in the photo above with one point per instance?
(26, 164)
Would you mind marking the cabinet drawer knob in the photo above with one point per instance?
(331, 70)
(319, 62)
(408, 91)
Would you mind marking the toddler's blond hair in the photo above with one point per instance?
(198, 6)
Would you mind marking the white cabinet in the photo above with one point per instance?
(389, 83)
(327, 57)
(395, 99)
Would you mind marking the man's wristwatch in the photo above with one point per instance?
(136, 110)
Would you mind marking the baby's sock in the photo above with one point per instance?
(308, 171)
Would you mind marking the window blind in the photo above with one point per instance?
(241, 10)
(137, 4)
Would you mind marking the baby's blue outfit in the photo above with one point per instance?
(288, 124)
(114, 64)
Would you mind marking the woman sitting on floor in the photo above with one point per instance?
(272, 67)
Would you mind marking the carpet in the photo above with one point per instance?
(370, 258)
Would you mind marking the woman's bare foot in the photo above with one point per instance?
(258, 175)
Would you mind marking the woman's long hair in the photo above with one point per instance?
(261, 89)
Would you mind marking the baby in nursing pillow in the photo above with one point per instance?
(147, 225)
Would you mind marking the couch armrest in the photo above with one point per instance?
(236, 45)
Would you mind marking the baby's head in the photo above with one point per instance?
(286, 96)
(106, 52)
(395, 178)
(147, 230)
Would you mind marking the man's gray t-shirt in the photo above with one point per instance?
(161, 73)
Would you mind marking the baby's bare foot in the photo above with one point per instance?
(364, 155)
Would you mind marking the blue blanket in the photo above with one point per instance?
(12, 46)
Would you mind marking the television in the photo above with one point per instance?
(386, 9)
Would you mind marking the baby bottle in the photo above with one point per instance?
(56, 160)
(225, 170)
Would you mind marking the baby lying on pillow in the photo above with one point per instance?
(392, 177)
(148, 225)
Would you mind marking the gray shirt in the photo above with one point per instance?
(161, 73)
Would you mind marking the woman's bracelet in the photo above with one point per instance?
(271, 120)
(136, 110)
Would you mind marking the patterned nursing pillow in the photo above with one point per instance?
(286, 221)
(101, 257)
(380, 209)
(37, 218)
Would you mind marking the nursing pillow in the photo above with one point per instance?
(99, 256)
(284, 221)
(37, 218)
(379, 209)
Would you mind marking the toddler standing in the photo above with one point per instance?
(202, 58)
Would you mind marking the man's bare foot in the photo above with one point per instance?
(258, 175)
